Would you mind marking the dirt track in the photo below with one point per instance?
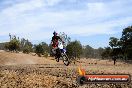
(27, 71)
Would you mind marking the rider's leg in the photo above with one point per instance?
(58, 51)
(54, 51)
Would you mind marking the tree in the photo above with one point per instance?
(26, 46)
(10, 36)
(98, 52)
(42, 49)
(13, 45)
(39, 49)
(126, 40)
(122, 48)
(2, 46)
(127, 37)
(88, 51)
(106, 53)
(113, 42)
(27, 49)
(74, 49)
(45, 47)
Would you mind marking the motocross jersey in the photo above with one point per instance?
(55, 41)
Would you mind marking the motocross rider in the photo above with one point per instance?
(54, 43)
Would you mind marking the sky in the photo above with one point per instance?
(92, 22)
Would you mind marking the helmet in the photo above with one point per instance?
(54, 33)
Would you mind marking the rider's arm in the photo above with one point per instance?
(61, 39)
(52, 40)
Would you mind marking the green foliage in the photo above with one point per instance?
(126, 40)
(16, 45)
(88, 51)
(27, 49)
(106, 53)
(13, 45)
(42, 49)
(45, 47)
(121, 47)
(6, 46)
(113, 42)
(2, 46)
(26, 46)
(39, 49)
(98, 52)
(74, 49)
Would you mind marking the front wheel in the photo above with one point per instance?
(65, 60)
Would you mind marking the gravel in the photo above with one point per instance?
(46, 76)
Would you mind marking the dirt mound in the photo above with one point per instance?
(8, 58)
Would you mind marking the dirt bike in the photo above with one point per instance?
(62, 54)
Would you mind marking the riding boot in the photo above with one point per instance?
(57, 58)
